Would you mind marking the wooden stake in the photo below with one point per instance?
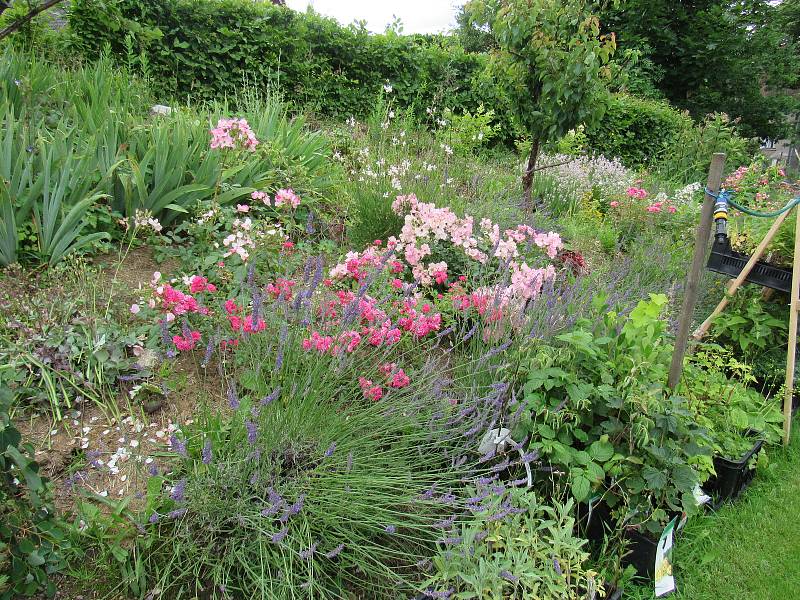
(735, 284)
(791, 351)
(696, 270)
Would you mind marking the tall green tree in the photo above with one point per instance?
(733, 56)
(553, 63)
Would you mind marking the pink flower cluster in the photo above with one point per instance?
(426, 225)
(287, 196)
(635, 192)
(240, 241)
(230, 132)
(199, 284)
(239, 324)
(186, 342)
(657, 207)
(283, 197)
(282, 288)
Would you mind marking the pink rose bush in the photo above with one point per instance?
(429, 231)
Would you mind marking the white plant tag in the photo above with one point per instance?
(665, 581)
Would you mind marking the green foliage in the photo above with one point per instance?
(209, 49)
(551, 62)
(31, 534)
(729, 410)
(599, 411)
(716, 56)
(637, 131)
(532, 554)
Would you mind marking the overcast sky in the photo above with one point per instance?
(418, 16)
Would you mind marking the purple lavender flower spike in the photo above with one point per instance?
(308, 552)
(251, 273)
(390, 529)
(178, 492)
(177, 514)
(252, 431)
(152, 469)
(435, 594)
(278, 537)
(310, 223)
(178, 446)
(331, 449)
(233, 397)
(281, 345)
(154, 518)
(271, 397)
(206, 454)
(212, 342)
(335, 552)
(165, 338)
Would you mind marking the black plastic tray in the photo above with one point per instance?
(729, 262)
(733, 476)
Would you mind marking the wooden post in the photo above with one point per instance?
(736, 283)
(696, 270)
(790, 353)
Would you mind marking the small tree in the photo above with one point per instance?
(553, 63)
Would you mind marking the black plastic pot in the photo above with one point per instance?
(641, 553)
(733, 476)
(594, 526)
(727, 261)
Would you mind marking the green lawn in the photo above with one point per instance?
(749, 550)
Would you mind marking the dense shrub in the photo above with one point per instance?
(208, 49)
(637, 131)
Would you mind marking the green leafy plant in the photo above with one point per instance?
(599, 411)
(533, 554)
(32, 536)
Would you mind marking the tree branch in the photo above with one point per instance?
(27, 18)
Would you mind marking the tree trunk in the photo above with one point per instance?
(527, 178)
(25, 18)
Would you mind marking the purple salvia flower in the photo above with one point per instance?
(206, 453)
(271, 397)
(271, 511)
(557, 566)
(178, 491)
(177, 514)
(390, 529)
(495, 351)
(319, 273)
(252, 431)
(335, 552)
(447, 498)
(177, 445)
(233, 397)
(278, 537)
(308, 552)
(331, 449)
(509, 577)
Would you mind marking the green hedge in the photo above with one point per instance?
(638, 131)
(206, 49)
